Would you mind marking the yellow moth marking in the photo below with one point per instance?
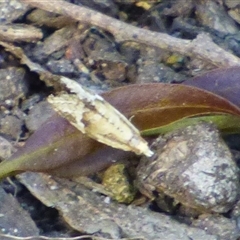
(92, 115)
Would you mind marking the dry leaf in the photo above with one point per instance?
(94, 116)
(59, 148)
(158, 104)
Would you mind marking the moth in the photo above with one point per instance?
(94, 116)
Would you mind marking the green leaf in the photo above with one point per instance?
(158, 104)
(227, 123)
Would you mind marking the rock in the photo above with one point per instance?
(6, 148)
(62, 66)
(151, 71)
(231, 3)
(13, 85)
(38, 114)
(224, 227)
(15, 221)
(213, 15)
(103, 55)
(116, 180)
(194, 166)
(11, 126)
(11, 10)
(235, 14)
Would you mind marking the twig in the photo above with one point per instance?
(19, 33)
(202, 47)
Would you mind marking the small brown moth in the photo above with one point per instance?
(93, 116)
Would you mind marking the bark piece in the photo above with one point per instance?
(13, 219)
(84, 210)
(20, 33)
(44, 18)
(235, 14)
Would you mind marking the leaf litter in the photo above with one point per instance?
(222, 118)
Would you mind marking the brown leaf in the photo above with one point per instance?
(158, 104)
(57, 144)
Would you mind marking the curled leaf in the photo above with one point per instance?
(158, 104)
(94, 116)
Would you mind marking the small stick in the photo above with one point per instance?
(202, 47)
(19, 33)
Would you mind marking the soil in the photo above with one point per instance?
(95, 58)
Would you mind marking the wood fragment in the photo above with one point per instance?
(82, 209)
(19, 33)
(43, 18)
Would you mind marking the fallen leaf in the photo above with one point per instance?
(224, 82)
(153, 108)
(56, 143)
(227, 123)
(105, 156)
(92, 107)
(157, 104)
